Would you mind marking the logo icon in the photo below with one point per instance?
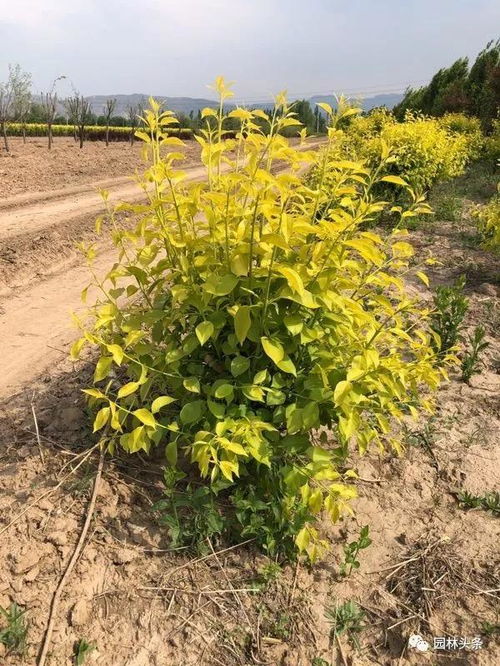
(417, 642)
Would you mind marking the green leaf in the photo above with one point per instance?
(221, 286)
(102, 368)
(253, 393)
(192, 384)
(192, 412)
(145, 416)
(160, 402)
(204, 331)
(224, 391)
(242, 323)
(128, 389)
(260, 377)
(294, 323)
(171, 453)
(273, 349)
(216, 408)
(101, 418)
(239, 365)
(287, 366)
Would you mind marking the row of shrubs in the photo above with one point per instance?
(92, 132)
(424, 150)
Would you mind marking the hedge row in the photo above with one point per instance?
(92, 132)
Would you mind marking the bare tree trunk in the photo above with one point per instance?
(132, 138)
(4, 134)
(81, 131)
(24, 132)
(107, 135)
(49, 127)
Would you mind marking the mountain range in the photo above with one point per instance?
(195, 104)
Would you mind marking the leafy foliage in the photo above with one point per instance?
(191, 515)
(487, 502)
(82, 650)
(13, 635)
(458, 88)
(451, 306)
(92, 132)
(471, 357)
(488, 222)
(352, 549)
(346, 618)
(258, 310)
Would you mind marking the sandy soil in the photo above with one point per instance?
(432, 568)
(31, 167)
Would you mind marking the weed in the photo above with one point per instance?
(346, 619)
(319, 661)
(487, 502)
(447, 320)
(490, 629)
(13, 635)
(81, 651)
(470, 240)
(448, 208)
(471, 361)
(281, 626)
(267, 575)
(192, 516)
(352, 549)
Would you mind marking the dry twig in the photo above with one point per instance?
(76, 553)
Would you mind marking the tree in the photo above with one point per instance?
(134, 113)
(15, 98)
(80, 112)
(108, 111)
(49, 106)
(459, 89)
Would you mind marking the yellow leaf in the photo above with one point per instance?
(293, 278)
(145, 417)
(423, 277)
(128, 389)
(341, 392)
(228, 469)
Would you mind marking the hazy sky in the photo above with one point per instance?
(177, 47)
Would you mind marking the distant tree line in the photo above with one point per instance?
(473, 90)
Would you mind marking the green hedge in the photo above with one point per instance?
(92, 132)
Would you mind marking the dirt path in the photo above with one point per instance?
(35, 323)
(51, 209)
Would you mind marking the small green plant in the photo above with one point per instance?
(346, 619)
(448, 208)
(447, 320)
(351, 551)
(471, 358)
(13, 635)
(319, 661)
(191, 515)
(81, 651)
(487, 502)
(488, 222)
(490, 629)
(267, 575)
